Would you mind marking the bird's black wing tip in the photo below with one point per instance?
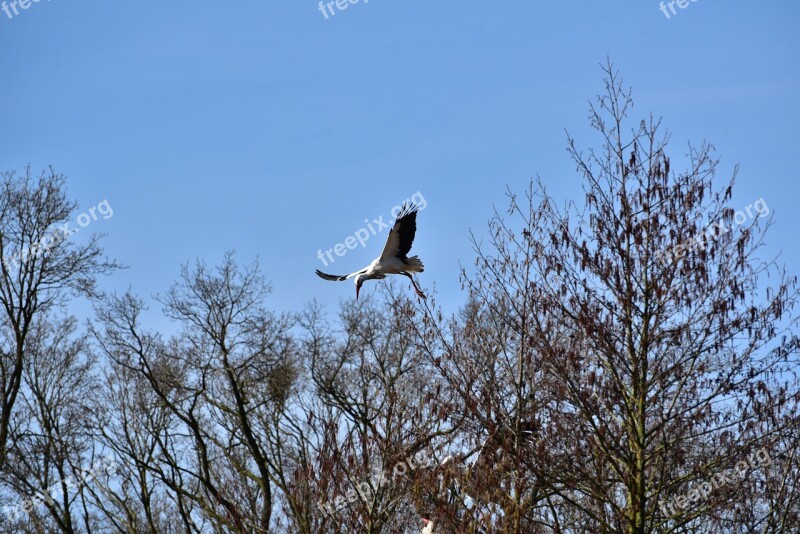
(409, 208)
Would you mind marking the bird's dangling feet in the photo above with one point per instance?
(420, 294)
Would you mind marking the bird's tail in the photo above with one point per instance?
(415, 264)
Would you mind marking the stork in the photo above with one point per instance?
(394, 258)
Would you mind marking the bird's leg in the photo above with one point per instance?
(417, 289)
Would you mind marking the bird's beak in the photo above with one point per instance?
(358, 288)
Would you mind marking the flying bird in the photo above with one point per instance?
(394, 258)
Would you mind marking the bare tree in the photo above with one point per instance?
(658, 355)
(217, 380)
(376, 427)
(137, 429)
(38, 267)
(492, 386)
(51, 453)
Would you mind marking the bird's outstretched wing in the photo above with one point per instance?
(401, 236)
(333, 277)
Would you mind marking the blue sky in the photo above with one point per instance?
(265, 128)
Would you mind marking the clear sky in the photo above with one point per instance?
(269, 129)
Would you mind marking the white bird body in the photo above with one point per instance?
(393, 259)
